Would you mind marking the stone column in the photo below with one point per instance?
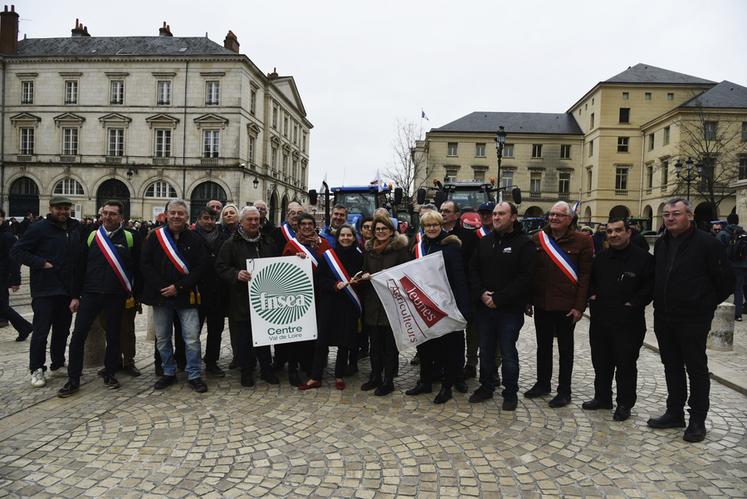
(721, 335)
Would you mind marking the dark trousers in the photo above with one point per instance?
(499, 330)
(50, 312)
(682, 347)
(127, 337)
(384, 353)
(7, 313)
(216, 320)
(321, 352)
(91, 304)
(248, 353)
(445, 352)
(549, 325)
(614, 352)
(473, 343)
(235, 334)
(301, 355)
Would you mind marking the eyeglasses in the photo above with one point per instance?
(431, 226)
(382, 229)
(558, 215)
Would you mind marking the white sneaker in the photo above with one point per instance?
(37, 378)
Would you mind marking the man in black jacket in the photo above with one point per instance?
(693, 276)
(173, 262)
(10, 278)
(501, 272)
(106, 270)
(50, 247)
(622, 280)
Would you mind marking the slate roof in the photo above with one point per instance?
(483, 121)
(724, 95)
(644, 73)
(120, 45)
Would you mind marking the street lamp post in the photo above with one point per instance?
(500, 141)
(691, 172)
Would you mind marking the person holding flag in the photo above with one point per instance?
(305, 244)
(339, 306)
(108, 277)
(174, 260)
(561, 289)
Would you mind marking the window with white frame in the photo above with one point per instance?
(160, 189)
(26, 144)
(564, 184)
(275, 116)
(451, 172)
(535, 184)
(589, 178)
(253, 101)
(69, 141)
(162, 147)
(116, 142)
(116, 88)
(274, 158)
(742, 167)
(252, 146)
(303, 141)
(212, 92)
(565, 151)
(507, 179)
(649, 177)
(285, 164)
(622, 144)
(666, 136)
(479, 173)
(295, 133)
(210, 143)
(163, 92)
(508, 150)
(536, 151)
(480, 149)
(664, 175)
(647, 96)
(651, 141)
(710, 130)
(27, 92)
(71, 91)
(451, 149)
(68, 187)
(621, 180)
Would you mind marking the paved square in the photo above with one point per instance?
(277, 441)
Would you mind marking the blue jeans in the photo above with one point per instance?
(738, 290)
(499, 328)
(163, 318)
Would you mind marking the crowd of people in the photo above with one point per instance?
(192, 275)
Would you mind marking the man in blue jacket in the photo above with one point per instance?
(50, 247)
(106, 270)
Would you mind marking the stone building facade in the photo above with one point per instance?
(145, 119)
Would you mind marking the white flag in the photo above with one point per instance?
(418, 300)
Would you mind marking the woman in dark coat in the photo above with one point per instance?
(386, 249)
(338, 313)
(446, 350)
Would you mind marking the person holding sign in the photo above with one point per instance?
(173, 262)
(338, 306)
(247, 243)
(305, 244)
(561, 288)
(107, 272)
(386, 249)
(447, 350)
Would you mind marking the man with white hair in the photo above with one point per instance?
(561, 289)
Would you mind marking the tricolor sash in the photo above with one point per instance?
(288, 232)
(419, 245)
(113, 259)
(300, 248)
(558, 257)
(339, 272)
(482, 232)
(169, 247)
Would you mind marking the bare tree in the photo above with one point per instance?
(402, 170)
(713, 140)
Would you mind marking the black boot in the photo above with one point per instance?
(373, 382)
(444, 395)
(420, 388)
(386, 387)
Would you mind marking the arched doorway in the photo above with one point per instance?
(113, 190)
(272, 209)
(284, 205)
(587, 214)
(620, 211)
(23, 197)
(534, 211)
(704, 213)
(648, 214)
(202, 194)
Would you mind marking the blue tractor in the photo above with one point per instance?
(362, 201)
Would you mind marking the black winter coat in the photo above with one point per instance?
(450, 247)
(212, 289)
(337, 314)
(504, 264)
(60, 245)
(10, 270)
(95, 275)
(231, 259)
(394, 254)
(159, 272)
(469, 242)
(690, 285)
(619, 277)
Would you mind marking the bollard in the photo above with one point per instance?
(721, 335)
(95, 344)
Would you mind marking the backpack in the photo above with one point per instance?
(127, 233)
(736, 250)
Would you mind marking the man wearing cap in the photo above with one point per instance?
(470, 369)
(50, 249)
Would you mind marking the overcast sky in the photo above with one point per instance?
(362, 65)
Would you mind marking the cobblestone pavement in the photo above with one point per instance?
(277, 441)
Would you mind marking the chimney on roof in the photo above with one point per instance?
(231, 42)
(164, 30)
(9, 30)
(79, 29)
(274, 74)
